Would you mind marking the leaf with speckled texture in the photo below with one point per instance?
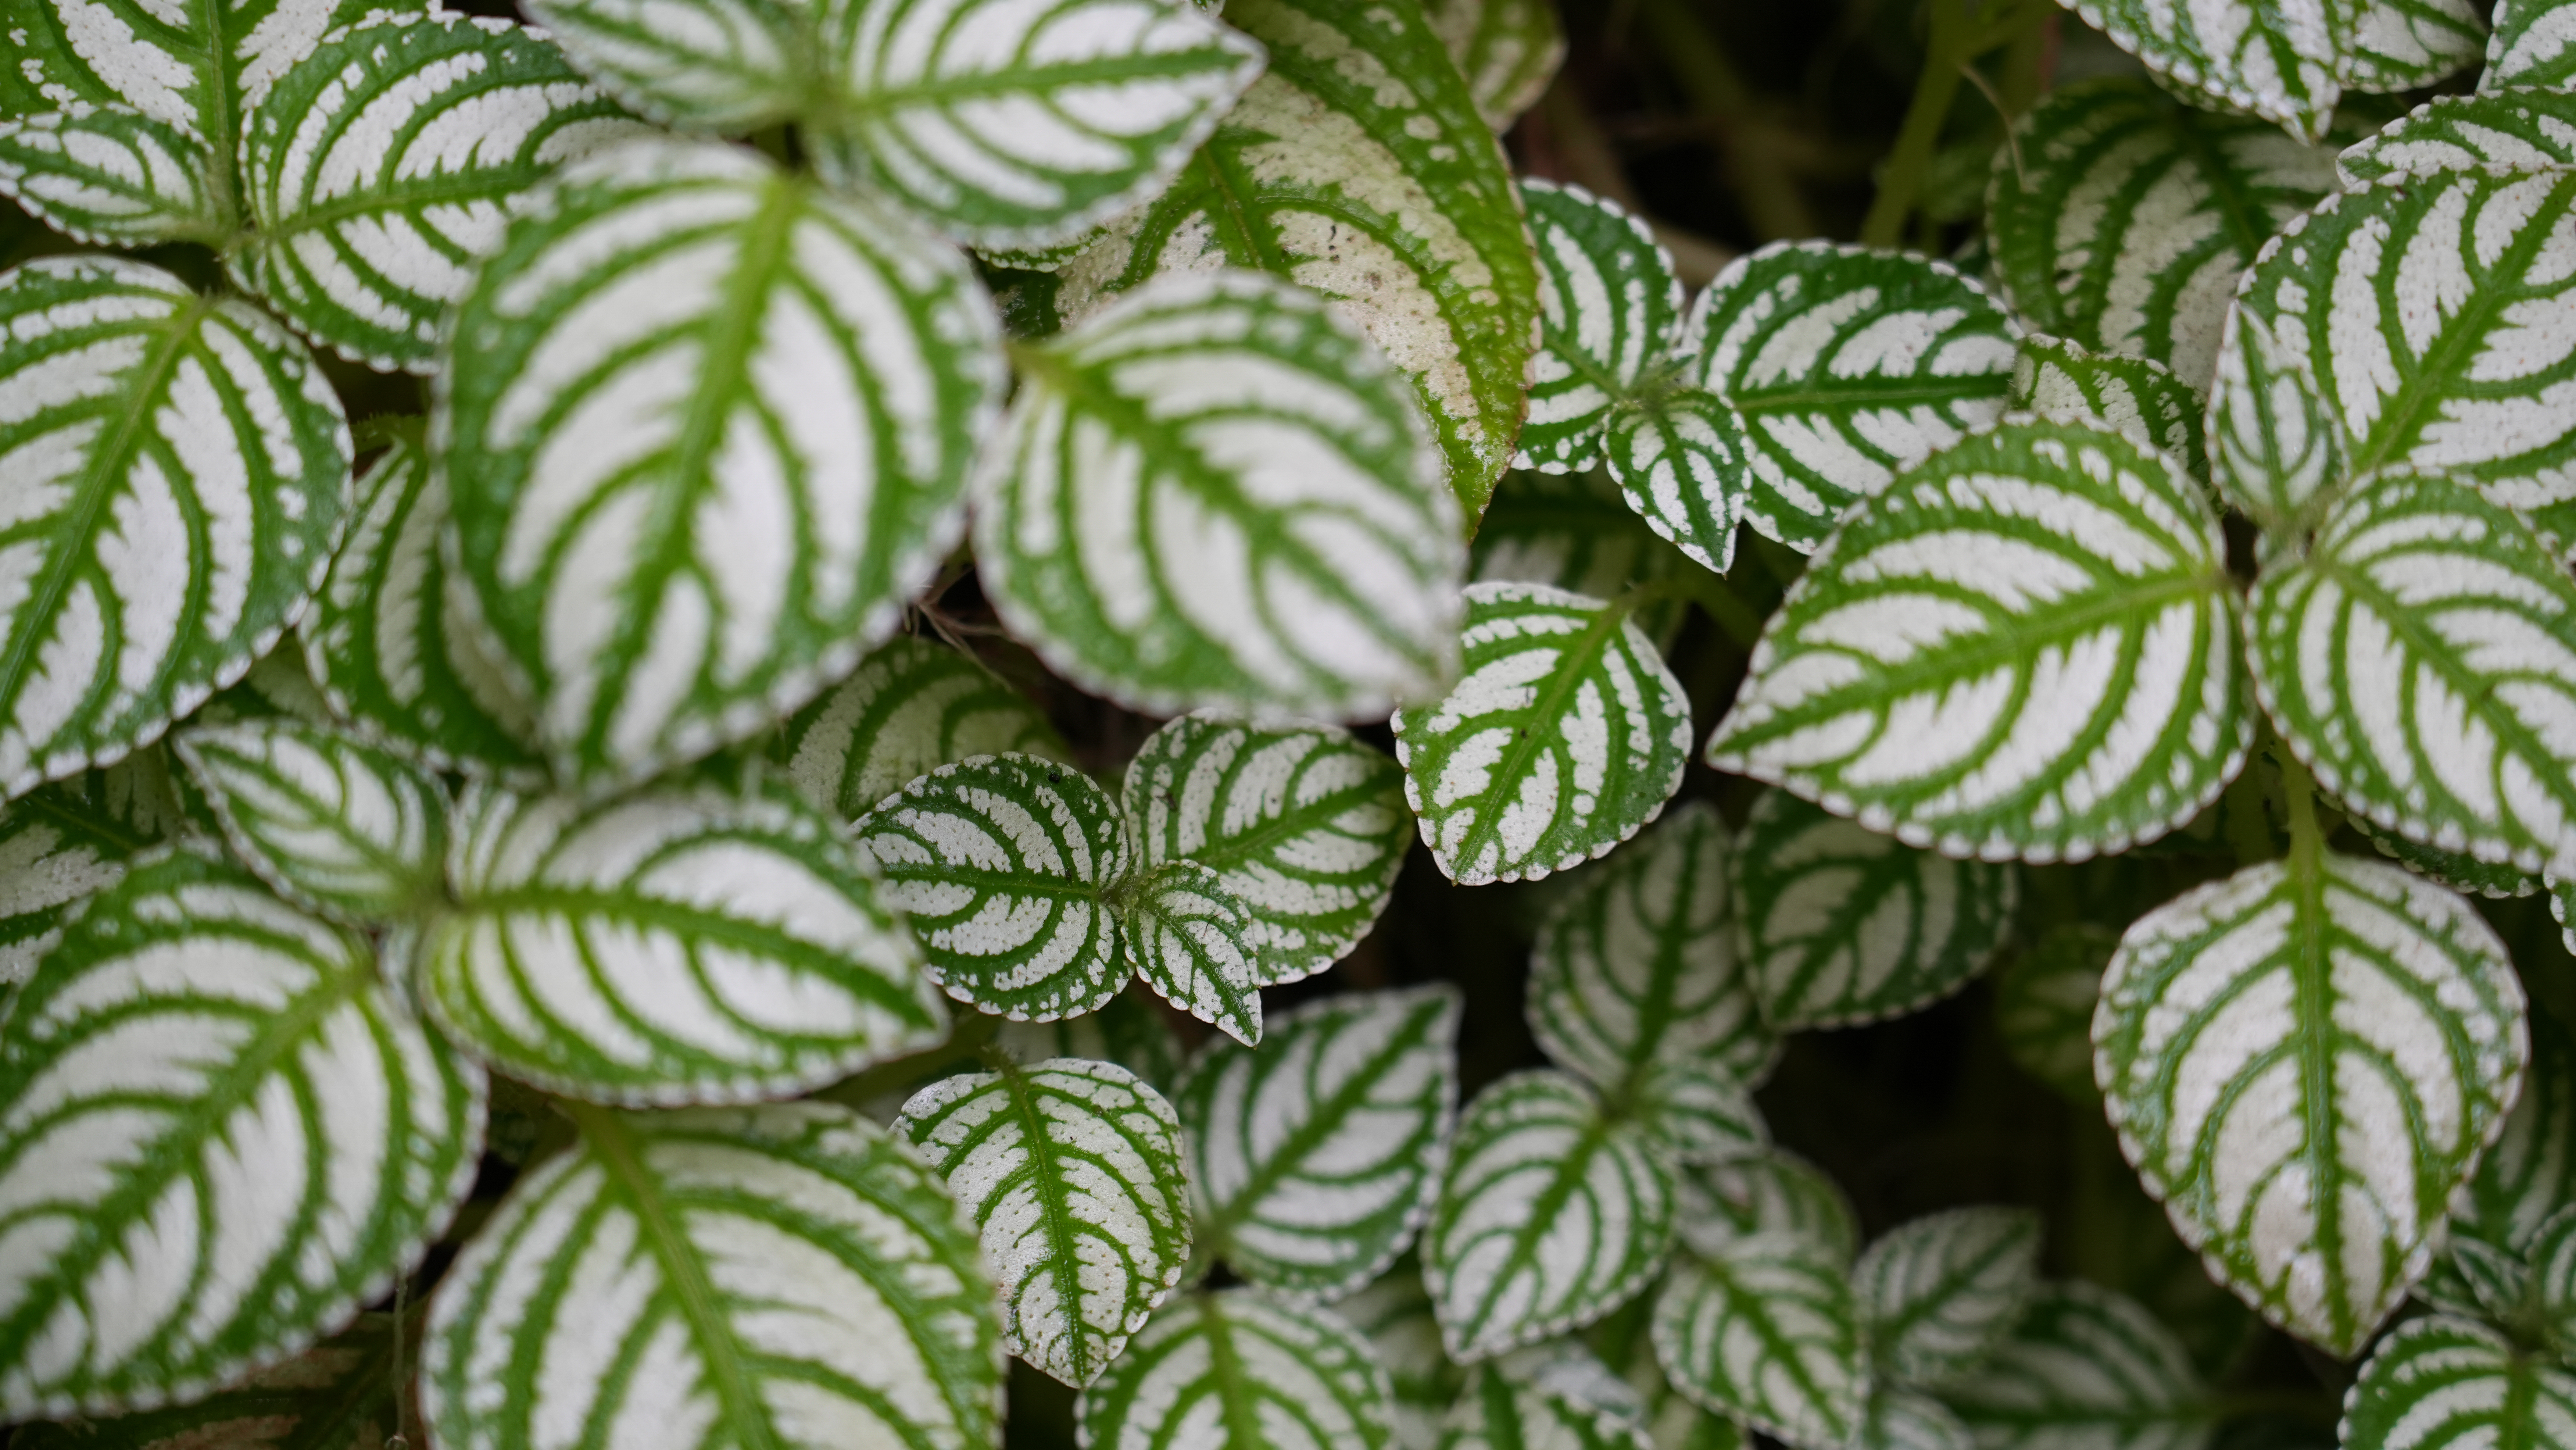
(330, 822)
(1302, 1376)
(2137, 397)
(910, 708)
(2533, 44)
(2449, 1384)
(1767, 1333)
(113, 176)
(2515, 128)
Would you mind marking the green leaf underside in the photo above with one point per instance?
(2023, 648)
(1184, 933)
(395, 642)
(1001, 865)
(2085, 1368)
(1638, 962)
(1312, 1160)
(1074, 1171)
(2304, 1061)
(2138, 397)
(1844, 367)
(113, 176)
(2411, 305)
(1306, 827)
(222, 1137)
(2130, 216)
(2443, 1382)
(1394, 1314)
(910, 708)
(1551, 1213)
(2533, 44)
(1940, 1292)
(57, 850)
(1357, 166)
(1769, 1335)
(1564, 736)
(2277, 449)
(338, 1395)
(1770, 1192)
(785, 1275)
(331, 824)
(1840, 925)
(1247, 1368)
(2044, 1000)
(1215, 493)
(714, 433)
(1130, 1030)
(1507, 49)
(687, 943)
(1610, 316)
(2530, 1173)
(1548, 1397)
(2519, 128)
(2284, 60)
(184, 471)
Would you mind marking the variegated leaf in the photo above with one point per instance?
(1403, 1332)
(1358, 166)
(1306, 827)
(2533, 44)
(182, 468)
(1685, 463)
(2087, 1370)
(2284, 60)
(2530, 1173)
(1939, 1293)
(911, 708)
(2137, 396)
(1074, 1171)
(2024, 648)
(784, 1275)
(2276, 448)
(2305, 1061)
(2123, 218)
(113, 176)
(724, 66)
(1638, 962)
(221, 1137)
(1130, 1031)
(58, 848)
(710, 430)
(2416, 305)
(339, 1395)
(1575, 531)
(1548, 1397)
(1900, 1419)
(2044, 999)
(2515, 128)
(331, 823)
(2553, 1276)
(2481, 1281)
(1845, 367)
(1184, 933)
(2450, 1384)
(1565, 736)
(2404, 45)
(1215, 493)
(1840, 925)
(1700, 1112)
(1552, 1212)
(1768, 1334)
(1772, 1192)
(689, 943)
(1312, 1160)
(2458, 870)
(1507, 49)
(1610, 312)
(1241, 1369)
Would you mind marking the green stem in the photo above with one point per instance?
(2307, 842)
(1902, 180)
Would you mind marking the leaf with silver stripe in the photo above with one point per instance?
(2533, 44)
(1296, 1378)
(1564, 736)
(332, 824)
(1768, 1334)
(2530, 1173)
(2403, 45)
(1552, 1212)
(2450, 1384)
(1904, 1420)
(58, 849)
(2086, 1370)
(1131, 1031)
(2481, 1281)
(1312, 1160)
(113, 176)
(711, 433)
(338, 1395)
(1073, 1169)
(1701, 1112)
(2025, 648)
(1685, 463)
(1507, 49)
(1555, 1396)
(2553, 1274)
(2514, 128)
(221, 1137)
(2138, 397)
(689, 943)
(912, 707)
(2277, 447)
(1770, 1192)
(1394, 1314)
(785, 1275)
(725, 66)
(1186, 934)
(1938, 1293)
(2283, 60)
(1844, 367)
(2305, 1061)
(2044, 999)
(1610, 312)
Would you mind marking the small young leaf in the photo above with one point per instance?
(1939, 1293)
(783, 1275)
(1841, 925)
(1772, 1192)
(113, 176)
(57, 850)
(1552, 1212)
(2275, 442)
(1074, 1171)
(911, 708)
(1685, 465)
(1212, 1361)
(1565, 735)
(2137, 396)
(1899, 1419)
(1312, 1160)
(2519, 128)
(2044, 999)
(2530, 1173)
(1183, 932)
(1129, 1031)
(1610, 314)
(2086, 1368)
(2533, 44)
(332, 824)
(224, 1137)
(2448, 1384)
(2283, 60)
(2498, 1284)
(2026, 647)
(1507, 49)
(1699, 1111)
(1769, 1335)
(1547, 1397)
(2259, 1040)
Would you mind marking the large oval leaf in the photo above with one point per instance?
(2517, 128)
(2304, 1061)
(113, 176)
(2086, 1368)
(183, 474)
(2024, 648)
(2284, 60)
(2533, 44)
(330, 823)
(705, 428)
(1610, 314)
(1938, 1293)
(1240, 1369)
(221, 1136)
(784, 1275)
(2441, 1383)
(1768, 1334)
(57, 850)
(1217, 494)
(911, 708)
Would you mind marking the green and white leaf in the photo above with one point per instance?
(1129, 1031)
(2403, 45)
(1638, 962)
(1507, 49)
(2482, 1281)
(785, 1275)
(338, 1395)
(1358, 166)
(115, 177)
(2024, 648)
(1684, 462)
(1552, 1212)
(1554, 1396)
(1701, 1112)
(725, 66)
(1575, 531)
(332, 824)
(2533, 44)
(1769, 1335)
(1002, 867)
(1186, 934)
(2515, 128)
(2553, 1279)
(2458, 870)
(2284, 60)
(689, 943)
(1312, 1161)
(1844, 367)
(2136, 396)
(1241, 1369)
(2415, 303)
(1771, 1192)
(2086, 1368)
(1899, 1419)
(1564, 736)
(912, 707)
(2420, 659)
(2044, 1000)
(1395, 1316)
(2305, 1061)
(1307, 827)
(57, 850)
(1938, 1293)
(2530, 1173)
(221, 1138)
(1610, 313)
(2277, 449)
(1840, 925)
(2122, 218)
(714, 435)
(182, 470)
(1074, 1171)
(2441, 1382)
